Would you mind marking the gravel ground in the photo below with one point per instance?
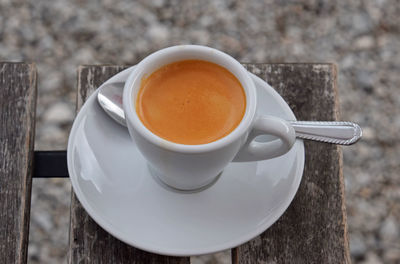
(361, 37)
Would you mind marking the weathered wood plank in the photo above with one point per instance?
(313, 229)
(17, 131)
(89, 243)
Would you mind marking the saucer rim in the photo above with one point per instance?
(300, 157)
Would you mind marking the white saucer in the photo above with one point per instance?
(111, 180)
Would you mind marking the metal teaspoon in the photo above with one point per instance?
(342, 133)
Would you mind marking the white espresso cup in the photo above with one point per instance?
(189, 167)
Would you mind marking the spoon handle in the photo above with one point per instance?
(342, 133)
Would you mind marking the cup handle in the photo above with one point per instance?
(267, 125)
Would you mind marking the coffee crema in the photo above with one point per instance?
(191, 102)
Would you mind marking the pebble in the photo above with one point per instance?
(52, 133)
(365, 80)
(364, 42)
(222, 257)
(368, 133)
(52, 81)
(158, 33)
(59, 113)
(372, 258)
(157, 3)
(44, 221)
(392, 255)
(347, 62)
(361, 23)
(389, 230)
(357, 246)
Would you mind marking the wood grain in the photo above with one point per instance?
(17, 131)
(313, 229)
(89, 243)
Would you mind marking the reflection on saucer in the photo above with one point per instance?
(89, 168)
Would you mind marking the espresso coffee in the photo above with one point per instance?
(191, 102)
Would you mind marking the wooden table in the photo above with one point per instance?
(312, 230)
